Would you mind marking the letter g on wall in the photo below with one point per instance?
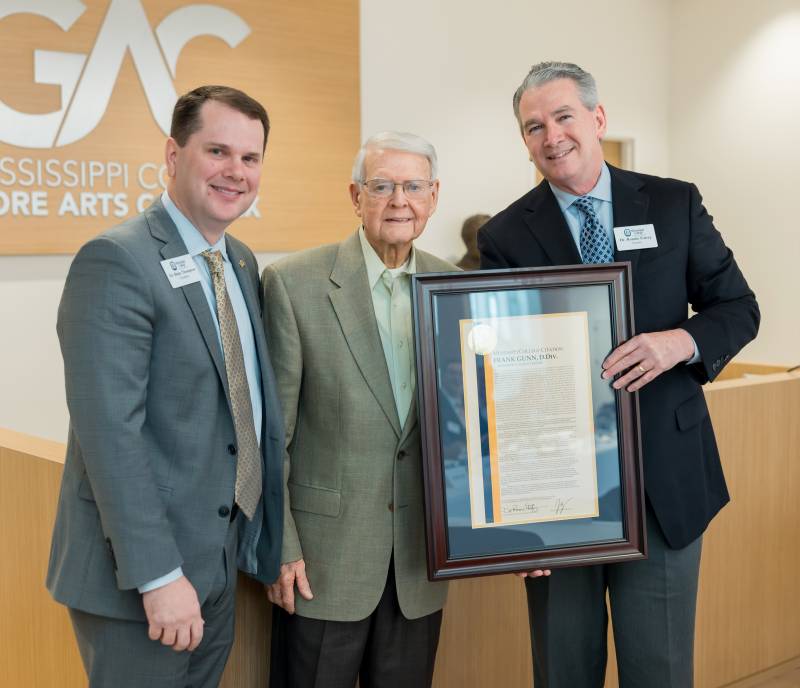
(87, 81)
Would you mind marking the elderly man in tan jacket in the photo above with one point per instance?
(338, 320)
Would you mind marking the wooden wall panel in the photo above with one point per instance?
(37, 647)
(300, 60)
(748, 607)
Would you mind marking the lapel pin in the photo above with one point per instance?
(241, 263)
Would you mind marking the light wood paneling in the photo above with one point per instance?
(301, 60)
(738, 369)
(37, 647)
(485, 639)
(749, 601)
(248, 665)
(748, 607)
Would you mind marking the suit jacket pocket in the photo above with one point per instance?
(691, 412)
(657, 259)
(315, 500)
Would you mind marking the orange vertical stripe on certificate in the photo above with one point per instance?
(491, 423)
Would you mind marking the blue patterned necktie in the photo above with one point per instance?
(595, 246)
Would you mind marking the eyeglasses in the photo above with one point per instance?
(383, 188)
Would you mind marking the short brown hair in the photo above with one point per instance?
(186, 115)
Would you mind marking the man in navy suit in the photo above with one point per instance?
(579, 214)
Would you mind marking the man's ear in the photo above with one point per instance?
(355, 191)
(600, 121)
(171, 149)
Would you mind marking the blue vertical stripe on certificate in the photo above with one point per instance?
(488, 503)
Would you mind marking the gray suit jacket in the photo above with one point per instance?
(354, 476)
(150, 470)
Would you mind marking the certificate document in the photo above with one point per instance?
(529, 418)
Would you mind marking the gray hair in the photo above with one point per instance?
(394, 140)
(545, 72)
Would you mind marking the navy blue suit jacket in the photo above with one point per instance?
(684, 482)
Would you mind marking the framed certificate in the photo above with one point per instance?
(531, 460)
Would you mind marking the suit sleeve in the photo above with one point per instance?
(726, 313)
(491, 256)
(105, 328)
(283, 339)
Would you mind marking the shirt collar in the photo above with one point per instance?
(376, 267)
(195, 242)
(601, 191)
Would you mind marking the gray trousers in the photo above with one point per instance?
(117, 653)
(653, 608)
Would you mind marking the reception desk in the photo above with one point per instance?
(749, 599)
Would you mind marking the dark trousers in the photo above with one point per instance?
(118, 653)
(385, 650)
(653, 607)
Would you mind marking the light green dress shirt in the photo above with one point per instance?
(391, 299)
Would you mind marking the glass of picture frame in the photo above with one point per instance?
(531, 460)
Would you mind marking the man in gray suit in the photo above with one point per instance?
(173, 460)
(338, 320)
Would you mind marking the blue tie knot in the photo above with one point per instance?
(595, 244)
(584, 204)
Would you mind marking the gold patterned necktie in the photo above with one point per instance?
(248, 464)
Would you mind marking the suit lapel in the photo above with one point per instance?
(250, 298)
(253, 304)
(163, 229)
(423, 265)
(548, 226)
(630, 207)
(352, 304)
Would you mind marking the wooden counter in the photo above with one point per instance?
(748, 606)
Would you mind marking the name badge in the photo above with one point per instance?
(635, 236)
(181, 271)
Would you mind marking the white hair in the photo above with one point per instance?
(394, 140)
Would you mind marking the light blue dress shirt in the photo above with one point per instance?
(195, 245)
(600, 196)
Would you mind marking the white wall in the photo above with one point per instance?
(735, 130)
(447, 70)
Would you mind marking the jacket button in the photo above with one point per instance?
(232, 449)
(224, 511)
(401, 454)
(391, 506)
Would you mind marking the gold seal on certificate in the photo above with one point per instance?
(529, 419)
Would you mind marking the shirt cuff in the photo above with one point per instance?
(696, 356)
(162, 581)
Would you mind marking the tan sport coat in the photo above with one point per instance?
(353, 475)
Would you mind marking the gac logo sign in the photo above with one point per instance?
(87, 81)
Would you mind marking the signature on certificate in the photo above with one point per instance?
(561, 506)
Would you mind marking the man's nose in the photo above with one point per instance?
(553, 135)
(398, 196)
(235, 168)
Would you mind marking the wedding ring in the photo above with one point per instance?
(641, 370)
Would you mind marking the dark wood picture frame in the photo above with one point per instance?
(442, 563)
